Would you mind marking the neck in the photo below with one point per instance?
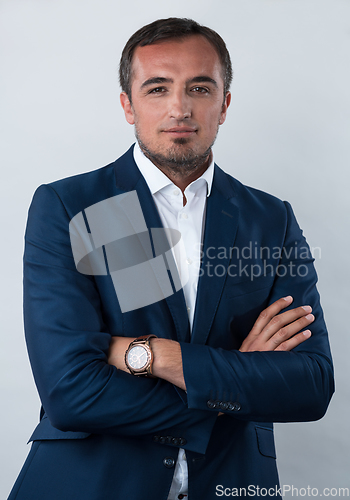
(181, 172)
(182, 178)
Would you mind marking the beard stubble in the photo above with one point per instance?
(180, 162)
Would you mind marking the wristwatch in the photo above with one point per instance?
(139, 356)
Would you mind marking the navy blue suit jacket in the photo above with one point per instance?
(105, 434)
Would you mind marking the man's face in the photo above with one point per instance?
(177, 100)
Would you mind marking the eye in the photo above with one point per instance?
(200, 90)
(157, 90)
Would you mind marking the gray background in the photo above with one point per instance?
(287, 132)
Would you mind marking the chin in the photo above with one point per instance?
(181, 140)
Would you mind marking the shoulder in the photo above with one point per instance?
(80, 191)
(76, 192)
(260, 213)
(248, 199)
(85, 185)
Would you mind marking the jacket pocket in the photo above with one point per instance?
(266, 442)
(45, 431)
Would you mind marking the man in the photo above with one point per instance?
(174, 397)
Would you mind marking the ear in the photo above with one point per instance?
(226, 104)
(126, 105)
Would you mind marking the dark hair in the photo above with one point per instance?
(165, 29)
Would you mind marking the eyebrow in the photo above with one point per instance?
(155, 80)
(203, 79)
(197, 79)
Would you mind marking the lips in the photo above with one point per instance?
(180, 131)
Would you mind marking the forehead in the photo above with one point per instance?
(189, 57)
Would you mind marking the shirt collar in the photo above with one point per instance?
(157, 180)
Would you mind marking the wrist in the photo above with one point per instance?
(139, 356)
(116, 354)
(156, 346)
(167, 361)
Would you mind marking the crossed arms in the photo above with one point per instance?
(271, 332)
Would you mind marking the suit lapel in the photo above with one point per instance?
(176, 301)
(128, 178)
(221, 225)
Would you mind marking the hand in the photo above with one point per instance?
(279, 332)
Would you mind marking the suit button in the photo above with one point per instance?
(175, 441)
(156, 439)
(223, 405)
(162, 439)
(169, 439)
(211, 404)
(169, 462)
(234, 406)
(182, 441)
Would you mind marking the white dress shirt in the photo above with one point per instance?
(189, 221)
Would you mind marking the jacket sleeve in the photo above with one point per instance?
(269, 386)
(68, 344)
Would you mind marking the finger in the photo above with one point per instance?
(281, 321)
(289, 331)
(267, 314)
(290, 344)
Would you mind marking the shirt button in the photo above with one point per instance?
(189, 261)
(176, 192)
(184, 216)
(188, 309)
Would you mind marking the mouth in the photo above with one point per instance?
(180, 131)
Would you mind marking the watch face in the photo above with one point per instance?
(137, 357)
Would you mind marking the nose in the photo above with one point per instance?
(180, 106)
